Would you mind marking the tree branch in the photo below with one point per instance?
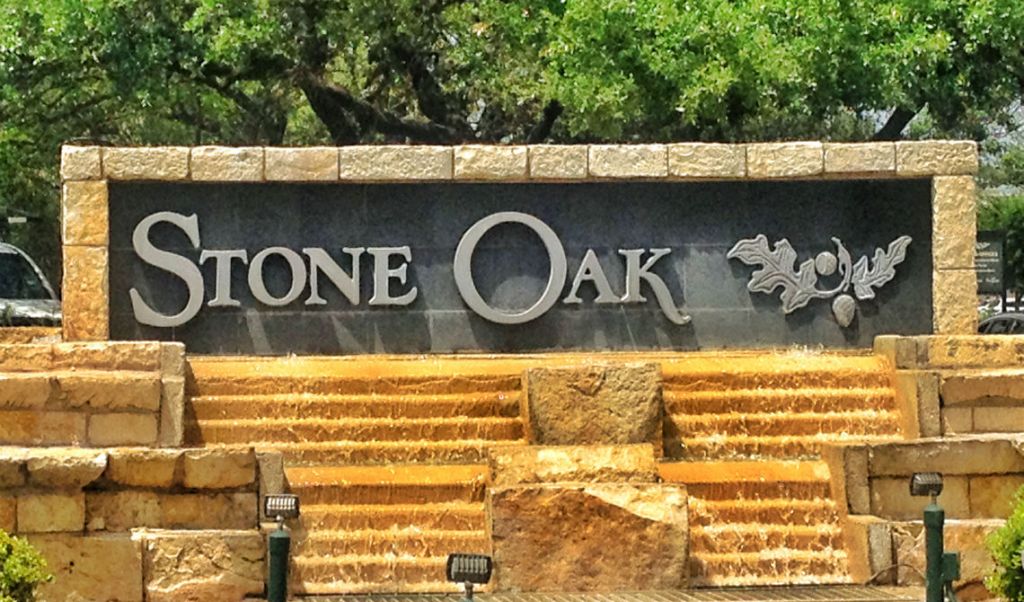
(894, 126)
(540, 132)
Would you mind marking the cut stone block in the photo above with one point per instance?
(968, 456)
(601, 537)
(122, 429)
(110, 390)
(200, 566)
(20, 391)
(525, 464)
(992, 497)
(595, 405)
(143, 467)
(65, 468)
(100, 568)
(891, 499)
(51, 513)
(964, 536)
(219, 468)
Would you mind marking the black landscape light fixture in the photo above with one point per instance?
(279, 507)
(941, 568)
(470, 570)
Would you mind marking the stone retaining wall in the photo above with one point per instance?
(950, 165)
(92, 394)
(135, 524)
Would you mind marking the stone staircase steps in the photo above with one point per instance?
(743, 447)
(442, 516)
(764, 567)
(473, 405)
(855, 422)
(765, 512)
(375, 453)
(782, 371)
(412, 541)
(298, 430)
(799, 400)
(752, 537)
(369, 574)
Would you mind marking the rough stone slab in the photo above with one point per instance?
(113, 390)
(209, 511)
(226, 164)
(172, 360)
(998, 419)
(106, 568)
(85, 293)
(869, 549)
(168, 163)
(526, 464)
(51, 512)
(8, 514)
(199, 566)
(29, 427)
(25, 358)
(122, 429)
(23, 391)
(271, 469)
(917, 399)
(107, 356)
(558, 162)
(395, 163)
(599, 537)
(219, 468)
(28, 335)
(172, 412)
(65, 468)
(936, 157)
(967, 456)
(700, 160)
(628, 160)
(311, 164)
(957, 421)
(80, 163)
(974, 351)
(84, 218)
(992, 497)
(860, 158)
(978, 387)
(13, 469)
(954, 301)
(122, 511)
(784, 159)
(891, 499)
(904, 352)
(954, 221)
(143, 467)
(483, 162)
(964, 536)
(595, 405)
(848, 467)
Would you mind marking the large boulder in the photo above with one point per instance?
(595, 404)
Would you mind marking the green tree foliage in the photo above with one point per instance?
(1006, 546)
(22, 570)
(305, 71)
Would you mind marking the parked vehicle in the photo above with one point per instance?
(1004, 323)
(26, 297)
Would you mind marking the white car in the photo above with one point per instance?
(26, 297)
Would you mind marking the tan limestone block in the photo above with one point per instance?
(219, 468)
(860, 158)
(868, 541)
(107, 356)
(964, 536)
(699, 160)
(122, 510)
(25, 358)
(558, 162)
(140, 467)
(80, 163)
(226, 164)
(957, 421)
(484, 162)
(146, 163)
(917, 399)
(84, 219)
(122, 429)
(172, 413)
(395, 162)
(65, 468)
(965, 456)
(88, 568)
(51, 512)
(954, 302)
(784, 159)
(975, 351)
(202, 565)
(525, 464)
(628, 160)
(312, 164)
(86, 297)
(848, 467)
(172, 360)
(993, 387)
(595, 405)
(954, 221)
(993, 496)
(23, 335)
(936, 157)
(209, 511)
(999, 419)
(30, 427)
(891, 499)
(13, 469)
(271, 469)
(598, 537)
(8, 514)
(30, 390)
(110, 390)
